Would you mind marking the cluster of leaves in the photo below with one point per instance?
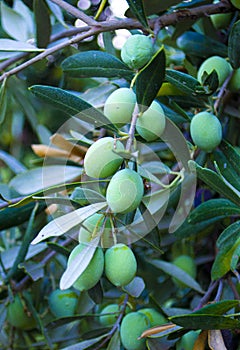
(55, 94)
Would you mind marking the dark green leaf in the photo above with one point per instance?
(11, 217)
(115, 343)
(149, 79)
(72, 105)
(96, 64)
(137, 9)
(43, 25)
(193, 43)
(226, 169)
(58, 248)
(205, 321)
(184, 82)
(215, 182)
(156, 6)
(232, 155)
(229, 235)
(233, 45)
(213, 208)
(85, 344)
(217, 308)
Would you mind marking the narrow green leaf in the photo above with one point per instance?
(37, 179)
(232, 155)
(85, 196)
(3, 100)
(85, 344)
(205, 322)
(217, 308)
(178, 273)
(96, 64)
(13, 45)
(215, 182)
(64, 223)
(184, 82)
(137, 9)
(233, 45)
(229, 235)
(72, 105)
(78, 264)
(212, 208)
(150, 79)
(11, 217)
(43, 24)
(115, 343)
(191, 230)
(226, 169)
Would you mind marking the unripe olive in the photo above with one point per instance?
(19, 316)
(119, 106)
(236, 3)
(206, 131)
(151, 124)
(234, 83)
(100, 159)
(63, 303)
(96, 225)
(217, 63)
(187, 341)
(155, 318)
(125, 191)
(108, 320)
(187, 264)
(120, 264)
(137, 51)
(93, 272)
(132, 326)
(221, 20)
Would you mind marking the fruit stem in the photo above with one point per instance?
(132, 128)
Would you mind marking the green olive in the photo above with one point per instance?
(137, 51)
(63, 303)
(93, 272)
(119, 106)
(187, 264)
(109, 314)
(120, 264)
(217, 63)
(151, 124)
(234, 83)
(206, 131)
(155, 318)
(19, 316)
(100, 159)
(132, 326)
(187, 341)
(125, 191)
(236, 3)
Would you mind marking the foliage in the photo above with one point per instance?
(59, 65)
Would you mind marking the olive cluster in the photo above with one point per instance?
(118, 263)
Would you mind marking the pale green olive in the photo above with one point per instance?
(100, 160)
(217, 63)
(63, 303)
(120, 264)
(155, 318)
(151, 124)
(137, 51)
(206, 131)
(187, 264)
(19, 316)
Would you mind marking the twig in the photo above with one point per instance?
(207, 295)
(222, 92)
(132, 128)
(75, 12)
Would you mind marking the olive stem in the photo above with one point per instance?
(132, 128)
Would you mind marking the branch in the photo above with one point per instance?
(75, 12)
(110, 25)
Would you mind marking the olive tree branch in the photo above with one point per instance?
(109, 25)
(75, 12)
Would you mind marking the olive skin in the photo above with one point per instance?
(187, 264)
(206, 131)
(120, 265)
(93, 272)
(151, 124)
(119, 106)
(100, 161)
(236, 3)
(187, 341)
(217, 63)
(155, 318)
(234, 83)
(109, 320)
(132, 326)
(137, 51)
(125, 191)
(18, 316)
(63, 303)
